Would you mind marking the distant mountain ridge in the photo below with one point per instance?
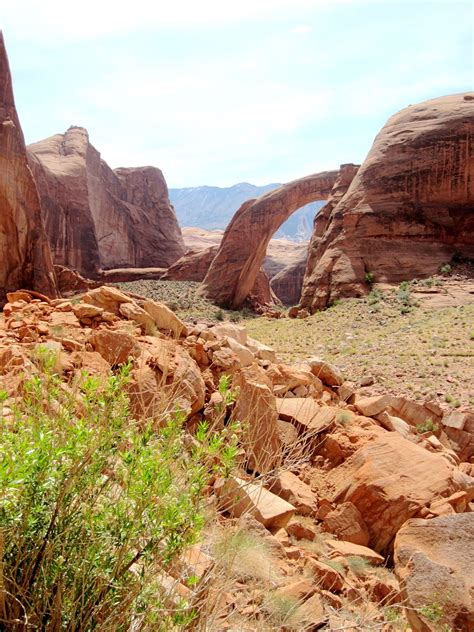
(213, 207)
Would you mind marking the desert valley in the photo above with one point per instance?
(250, 421)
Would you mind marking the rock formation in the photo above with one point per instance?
(98, 218)
(192, 266)
(25, 258)
(288, 282)
(407, 211)
(242, 251)
(433, 561)
(281, 254)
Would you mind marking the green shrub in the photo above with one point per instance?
(428, 426)
(445, 269)
(369, 277)
(95, 505)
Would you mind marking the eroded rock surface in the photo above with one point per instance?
(391, 479)
(25, 258)
(433, 560)
(407, 211)
(98, 218)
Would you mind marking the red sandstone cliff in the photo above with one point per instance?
(407, 211)
(99, 218)
(25, 258)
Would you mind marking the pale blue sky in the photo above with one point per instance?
(218, 92)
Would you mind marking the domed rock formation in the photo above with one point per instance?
(25, 258)
(233, 271)
(407, 211)
(98, 218)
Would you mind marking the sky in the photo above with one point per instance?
(217, 92)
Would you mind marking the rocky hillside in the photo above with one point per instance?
(97, 218)
(213, 207)
(339, 511)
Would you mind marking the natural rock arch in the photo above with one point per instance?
(233, 271)
(407, 211)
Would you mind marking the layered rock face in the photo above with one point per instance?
(25, 258)
(288, 282)
(233, 271)
(407, 211)
(98, 218)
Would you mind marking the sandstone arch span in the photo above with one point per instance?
(233, 271)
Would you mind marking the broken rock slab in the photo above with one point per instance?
(238, 497)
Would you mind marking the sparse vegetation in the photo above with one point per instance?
(428, 426)
(406, 353)
(183, 298)
(369, 278)
(445, 269)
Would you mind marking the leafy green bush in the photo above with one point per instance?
(445, 269)
(369, 277)
(95, 505)
(428, 426)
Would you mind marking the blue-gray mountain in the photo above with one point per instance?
(213, 207)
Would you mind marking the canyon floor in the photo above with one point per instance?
(416, 340)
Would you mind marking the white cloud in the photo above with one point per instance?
(39, 20)
(302, 29)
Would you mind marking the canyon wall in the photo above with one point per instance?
(25, 258)
(97, 218)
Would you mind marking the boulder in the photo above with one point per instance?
(327, 373)
(244, 355)
(26, 260)
(349, 549)
(132, 311)
(255, 409)
(229, 330)
(116, 347)
(108, 298)
(239, 497)
(326, 576)
(348, 524)
(302, 410)
(433, 561)
(179, 383)
(390, 480)
(261, 351)
(165, 319)
(289, 487)
(405, 212)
